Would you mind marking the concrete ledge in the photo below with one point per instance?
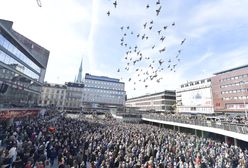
(243, 137)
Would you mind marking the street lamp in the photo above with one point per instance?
(243, 90)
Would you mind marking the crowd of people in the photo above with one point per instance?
(106, 143)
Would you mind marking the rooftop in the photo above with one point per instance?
(154, 94)
(233, 69)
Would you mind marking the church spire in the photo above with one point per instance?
(79, 77)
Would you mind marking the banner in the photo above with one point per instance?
(17, 113)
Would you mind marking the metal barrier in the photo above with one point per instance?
(234, 127)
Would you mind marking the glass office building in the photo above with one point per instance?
(22, 68)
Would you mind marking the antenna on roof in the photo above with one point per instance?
(39, 3)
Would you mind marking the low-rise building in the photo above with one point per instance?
(158, 102)
(53, 96)
(195, 97)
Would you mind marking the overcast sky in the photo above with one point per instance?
(216, 33)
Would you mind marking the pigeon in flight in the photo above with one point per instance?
(158, 10)
(115, 4)
(158, 2)
(173, 24)
(118, 70)
(108, 13)
(147, 6)
(160, 62)
(162, 50)
(165, 27)
(162, 38)
(122, 27)
(153, 47)
(183, 41)
(159, 31)
(145, 25)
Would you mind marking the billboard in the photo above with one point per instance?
(198, 97)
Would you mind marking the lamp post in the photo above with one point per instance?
(243, 90)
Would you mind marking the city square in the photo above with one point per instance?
(89, 84)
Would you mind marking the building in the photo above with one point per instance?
(102, 92)
(195, 97)
(22, 68)
(230, 90)
(158, 102)
(53, 96)
(73, 98)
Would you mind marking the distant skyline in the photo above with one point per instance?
(216, 33)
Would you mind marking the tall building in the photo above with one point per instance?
(103, 92)
(53, 96)
(158, 102)
(195, 97)
(22, 68)
(230, 90)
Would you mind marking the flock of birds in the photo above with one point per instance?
(135, 56)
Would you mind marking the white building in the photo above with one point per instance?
(101, 91)
(195, 97)
(53, 95)
(158, 102)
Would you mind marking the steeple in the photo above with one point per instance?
(79, 77)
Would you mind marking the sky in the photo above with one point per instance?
(216, 33)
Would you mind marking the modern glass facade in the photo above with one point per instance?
(21, 74)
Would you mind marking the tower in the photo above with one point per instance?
(79, 76)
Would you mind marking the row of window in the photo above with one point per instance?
(195, 83)
(47, 102)
(234, 84)
(236, 106)
(53, 97)
(235, 98)
(234, 77)
(11, 48)
(102, 87)
(105, 91)
(52, 91)
(103, 83)
(171, 97)
(6, 59)
(197, 109)
(104, 100)
(234, 91)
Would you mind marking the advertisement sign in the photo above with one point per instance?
(16, 113)
(198, 97)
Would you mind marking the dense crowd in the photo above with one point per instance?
(106, 143)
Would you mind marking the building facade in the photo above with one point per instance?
(102, 92)
(230, 90)
(22, 68)
(53, 96)
(195, 97)
(158, 102)
(73, 98)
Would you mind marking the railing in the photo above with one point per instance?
(228, 126)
